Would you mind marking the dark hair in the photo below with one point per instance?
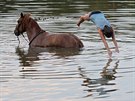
(94, 12)
(107, 31)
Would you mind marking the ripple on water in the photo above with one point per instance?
(58, 74)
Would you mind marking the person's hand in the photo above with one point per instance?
(78, 24)
(117, 50)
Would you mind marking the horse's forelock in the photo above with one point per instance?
(26, 19)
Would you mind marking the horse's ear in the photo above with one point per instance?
(21, 15)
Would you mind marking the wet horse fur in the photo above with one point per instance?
(43, 38)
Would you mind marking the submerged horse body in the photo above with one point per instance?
(39, 37)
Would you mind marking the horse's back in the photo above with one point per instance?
(65, 40)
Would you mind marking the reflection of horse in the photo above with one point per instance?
(41, 38)
(27, 58)
(95, 85)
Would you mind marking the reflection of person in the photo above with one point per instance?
(95, 85)
(109, 73)
(103, 26)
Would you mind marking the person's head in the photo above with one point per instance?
(108, 31)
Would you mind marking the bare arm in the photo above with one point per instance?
(80, 21)
(105, 43)
(115, 42)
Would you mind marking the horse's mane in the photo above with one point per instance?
(29, 20)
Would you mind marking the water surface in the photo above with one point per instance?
(39, 74)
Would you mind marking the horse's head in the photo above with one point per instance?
(22, 24)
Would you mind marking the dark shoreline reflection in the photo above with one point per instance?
(97, 85)
(53, 8)
(27, 58)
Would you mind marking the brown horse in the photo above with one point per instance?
(40, 38)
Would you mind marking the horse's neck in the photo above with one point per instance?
(33, 29)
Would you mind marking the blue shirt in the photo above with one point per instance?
(100, 20)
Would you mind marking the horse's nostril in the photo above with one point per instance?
(16, 33)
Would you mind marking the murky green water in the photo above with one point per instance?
(38, 74)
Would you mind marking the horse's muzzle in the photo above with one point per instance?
(16, 33)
